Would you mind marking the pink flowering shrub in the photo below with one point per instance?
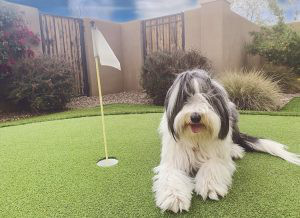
(15, 40)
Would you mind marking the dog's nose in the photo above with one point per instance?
(195, 118)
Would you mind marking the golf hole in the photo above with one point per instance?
(111, 161)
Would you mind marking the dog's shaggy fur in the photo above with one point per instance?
(200, 139)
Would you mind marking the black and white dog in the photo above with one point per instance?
(200, 139)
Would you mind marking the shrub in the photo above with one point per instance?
(41, 84)
(161, 68)
(251, 90)
(284, 76)
(15, 40)
(279, 45)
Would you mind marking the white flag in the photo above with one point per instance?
(103, 51)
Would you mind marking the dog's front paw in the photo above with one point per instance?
(214, 179)
(174, 202)
(210, 190)
(173, 189)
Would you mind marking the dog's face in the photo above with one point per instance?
(196, 107)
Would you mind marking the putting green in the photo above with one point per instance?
(49, 169)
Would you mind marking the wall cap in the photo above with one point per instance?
(202, 2)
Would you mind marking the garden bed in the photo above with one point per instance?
(86, 105)
(133, 97)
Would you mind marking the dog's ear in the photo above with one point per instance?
(175, 100)
(218, 100)
(170, 107)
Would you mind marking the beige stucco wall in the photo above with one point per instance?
(236, 36)
(204, 31)
(220, 35)
(132, 52)
(111, 78)
(192, 29)
(31, 17)
(295, 25)
(212, 32)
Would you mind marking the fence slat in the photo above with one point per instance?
(57, 35)
(160, 35)
(79, 55)
(173, 41)
(51, 35)
(74, 56)
(179, 34)
(154, 35)
(166, 34)
(47, 36)
(148, 40)
(163, 34)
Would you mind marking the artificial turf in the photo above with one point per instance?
(49, 169)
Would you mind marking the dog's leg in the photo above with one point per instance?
(173, 189)
(237, 152)
(172, 185)
(214, 178)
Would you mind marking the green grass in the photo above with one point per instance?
(49, 169)
(292, 106)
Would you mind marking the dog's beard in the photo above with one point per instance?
(207, 129)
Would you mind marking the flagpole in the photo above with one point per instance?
(103, 55)
(101, 107)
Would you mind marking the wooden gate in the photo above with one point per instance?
(163, 34)
(63, 37)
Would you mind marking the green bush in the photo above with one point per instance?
(284, 76)
(161, 68)
(41, 84)
(252, 90)
(279, 45)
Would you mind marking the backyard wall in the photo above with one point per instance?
(213, 29)
(203, 31)
(132, 54)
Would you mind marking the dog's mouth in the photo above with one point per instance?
(196, 127)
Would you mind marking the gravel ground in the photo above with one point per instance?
(287, 97)
(133, 97)
(15, 116)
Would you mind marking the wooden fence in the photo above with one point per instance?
(63, 37)
(163, 34)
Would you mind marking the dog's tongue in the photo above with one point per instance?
(196, 128)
